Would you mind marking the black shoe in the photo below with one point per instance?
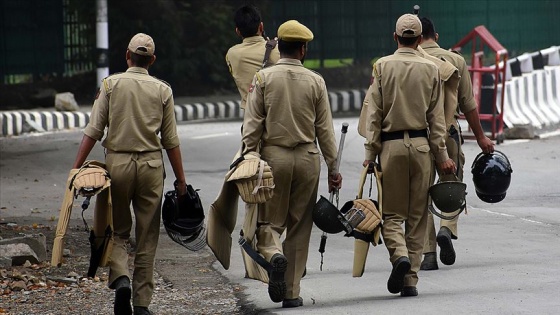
(446, 253)
(276, 281)
(429, 262)
(396, 280)
(289, 303)
(122, 296)
(409, 291)
(141, 310)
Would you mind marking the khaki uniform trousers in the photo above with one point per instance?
(136, 178)
(296, 176)
(456, 153)
(406, 165)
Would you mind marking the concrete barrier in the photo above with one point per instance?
(514, 108)
(532, 88)
(19, 122)
(532, 85)
(204, 111)
(553, 84)
(551, 55)
(529, 62)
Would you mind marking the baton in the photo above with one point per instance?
(323, 242)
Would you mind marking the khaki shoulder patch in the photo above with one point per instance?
(258, 76)
(106, 85)
(375, 71)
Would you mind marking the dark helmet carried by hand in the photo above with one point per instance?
(448, 197)
(183, 219)
(328, 218)
(491, 176)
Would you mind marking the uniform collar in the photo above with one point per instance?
(431, 44)
(290, 61)
(407, 50)
(137, 70)
(253, 39)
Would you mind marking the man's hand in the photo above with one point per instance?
(181, 187)
(447, 167)
(485, 144)
(335, 182)
(369, 165)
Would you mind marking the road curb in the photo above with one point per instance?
(14, 123)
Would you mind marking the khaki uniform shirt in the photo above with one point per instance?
(465, 91)
(449, 75)
(245, 59)
(289, 105)
(406, 95)
(135, 107)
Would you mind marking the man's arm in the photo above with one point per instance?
(436, 121)
(373, 118)
(468, 106)
(176, 161)
(362, 121)
(83, 151)
(485, 144)
(254, 117)
(96, 127)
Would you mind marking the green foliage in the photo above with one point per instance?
(191, 37)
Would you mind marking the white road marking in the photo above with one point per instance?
(214, 135)
(550, 134)
(509, 215)
(515, 141)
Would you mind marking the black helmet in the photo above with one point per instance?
(491, 176)
(183, 219)
(328, 218)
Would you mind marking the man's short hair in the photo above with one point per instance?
(139, 60)
(247, 20)
(428, 28)
(407, 41)
(289, 48)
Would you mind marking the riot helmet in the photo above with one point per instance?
(491, 176)
(448, 197)
(183, 219)
(328, 218)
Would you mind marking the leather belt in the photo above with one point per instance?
(395, 135)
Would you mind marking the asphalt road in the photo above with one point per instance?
(507, 253)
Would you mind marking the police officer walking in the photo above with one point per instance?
(404, 124)
(245, 59)
(287, 112)
(138, 111)
(467, 105)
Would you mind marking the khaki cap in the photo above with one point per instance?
(142, 44)
(408, 22)
(294, 31)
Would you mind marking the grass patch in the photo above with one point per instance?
(328, 63)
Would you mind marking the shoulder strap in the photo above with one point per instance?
(253, 254)
(270, 44)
